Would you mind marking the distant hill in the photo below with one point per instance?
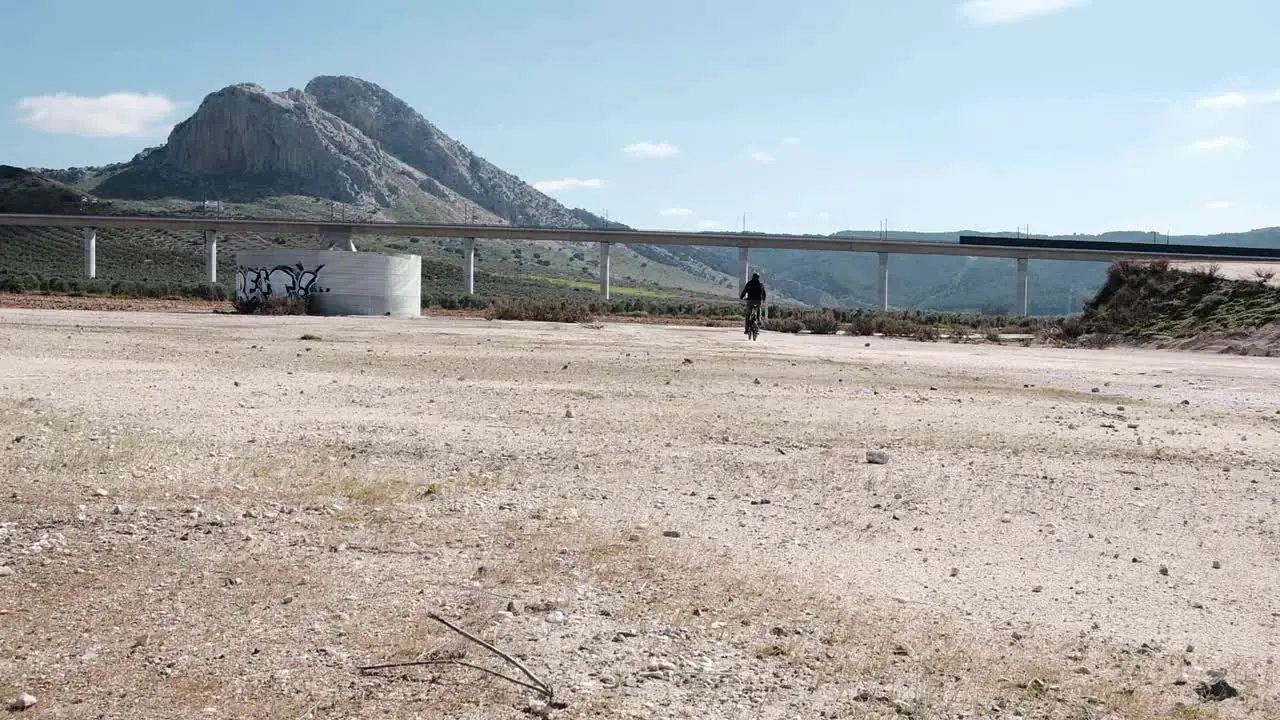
(24, 191)
(345, 148)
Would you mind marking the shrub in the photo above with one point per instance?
(273, 306)
(476, 302)
(783, 325)
(821, 323)
(926, 333)
(561, 311)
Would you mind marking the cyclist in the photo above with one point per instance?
(755, 294)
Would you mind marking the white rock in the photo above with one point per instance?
(24, 701)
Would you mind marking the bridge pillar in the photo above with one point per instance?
(742, 269)
(211, 247)
(884, 281)
(90, 252)
(469, 269)
(604, 270)
(1020, 288)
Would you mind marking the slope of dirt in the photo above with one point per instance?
(215, 516)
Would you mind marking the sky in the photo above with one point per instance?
(1055, 116)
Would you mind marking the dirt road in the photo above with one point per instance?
(225, 516)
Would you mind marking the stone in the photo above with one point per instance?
(6, 571)
(555, 617)
(1219, 689)
(877, 457)
(568, 412)
(671, 533)
(1217, 565)
(24, 701)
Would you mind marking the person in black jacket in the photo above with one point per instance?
(755, 295)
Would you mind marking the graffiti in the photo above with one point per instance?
(258, 285)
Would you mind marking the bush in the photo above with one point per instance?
(925, 333)
(783, 325)
(821, 323)
(561, 311)
(274, 306)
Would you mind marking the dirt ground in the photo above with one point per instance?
(220, 516)
(1236, 270)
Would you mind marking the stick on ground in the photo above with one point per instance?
(535, 684)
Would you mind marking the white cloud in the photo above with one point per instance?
(1217, 205)
(651, 150)
(1222, 143)
(762, 157)
(675, 212)
(823, 216)
(1005, 12)
(1233, 100)
(118, 114)
(790, 140)
(569, 183)
(709, 224)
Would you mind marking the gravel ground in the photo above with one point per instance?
(218, 516)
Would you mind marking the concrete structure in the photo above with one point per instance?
(469, 269)
(90, 252)
(883, 285)
(211, 247)
(337, 282)
(339, 234)
(604, 269)
(744, 273)
(1020, 288)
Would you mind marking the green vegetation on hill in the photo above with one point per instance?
(1154, 300)
(23, 191)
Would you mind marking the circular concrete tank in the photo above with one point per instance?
(336, 282)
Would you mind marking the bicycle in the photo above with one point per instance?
(753, 321)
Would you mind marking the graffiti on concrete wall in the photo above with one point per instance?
(256, 285)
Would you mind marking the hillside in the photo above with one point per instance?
(1193, 309)
(943, 283)
(30, 192)
(345, 148)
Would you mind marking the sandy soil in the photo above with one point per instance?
(209, 516)
(1236, 270)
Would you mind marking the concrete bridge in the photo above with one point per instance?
(332, 234)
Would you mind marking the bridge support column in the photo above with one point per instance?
(884, 281)
(469, 268)
(1020, 288)
(90, 252)
(211, 247)
(604, 270)
(742, 269)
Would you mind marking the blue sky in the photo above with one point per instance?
(813, 116)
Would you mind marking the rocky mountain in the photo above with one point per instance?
(341, 140)
(407, 135)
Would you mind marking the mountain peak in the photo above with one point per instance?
(340, 138)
